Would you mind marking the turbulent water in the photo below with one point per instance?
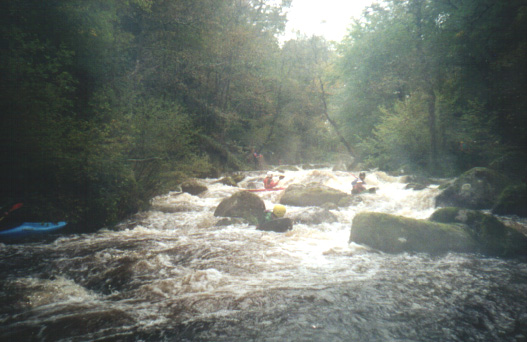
(171, 275)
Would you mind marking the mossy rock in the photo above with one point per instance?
(242, 204)
(312, 194)
(512, 201)
(315, 216)
(477, 188)
(396, 234)
(493, 237)
(238, 177)
(445, 215)
(228, 181)
(193, 187)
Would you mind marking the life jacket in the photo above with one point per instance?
(266, 217)
(268, 182)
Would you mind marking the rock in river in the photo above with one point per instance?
(312, 194)
(492, 236)
(477, 188)
(193, 187)
(242, 204)
(396, 234)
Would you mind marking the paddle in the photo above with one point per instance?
(13, 208)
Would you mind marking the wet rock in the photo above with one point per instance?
(512, 201)
(242, 204)
(193, 187)
(315, 216)
(475, 189)
(238, 177)
(493, 237)
(312, 194)
(396, 234)
(228, 181)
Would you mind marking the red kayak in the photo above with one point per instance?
(259, 190)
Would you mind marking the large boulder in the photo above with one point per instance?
(396, 234)
(315, 216)
(492, 236)
(242, 204)
(193, 187)
(512, 201)
(475, 189)
(313, 194)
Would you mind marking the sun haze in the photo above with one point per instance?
(327, 18)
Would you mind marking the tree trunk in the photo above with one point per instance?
(427, 85)
(351, 151)
(432, 130)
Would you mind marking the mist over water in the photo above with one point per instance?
(170, 274)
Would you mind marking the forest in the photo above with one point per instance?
(108, 103)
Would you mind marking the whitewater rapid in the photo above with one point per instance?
(171, 274)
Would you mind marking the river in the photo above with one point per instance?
(172, 275)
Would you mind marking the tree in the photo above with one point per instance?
(442, 50)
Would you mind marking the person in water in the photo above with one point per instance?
(268, 181)
(269, 215)
(274, 220)
(359, 184)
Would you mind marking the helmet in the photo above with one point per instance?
(362, 174)
(279, 210)
(269, 174)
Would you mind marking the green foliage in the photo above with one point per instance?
(401, 136)
(464, 57)
(108, 102)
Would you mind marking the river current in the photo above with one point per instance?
(171, 274)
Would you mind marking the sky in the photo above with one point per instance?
(327, 18)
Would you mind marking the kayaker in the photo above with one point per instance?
(269, 215)
(268, 181)
(359, 184)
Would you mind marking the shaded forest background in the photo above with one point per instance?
(107, 103)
